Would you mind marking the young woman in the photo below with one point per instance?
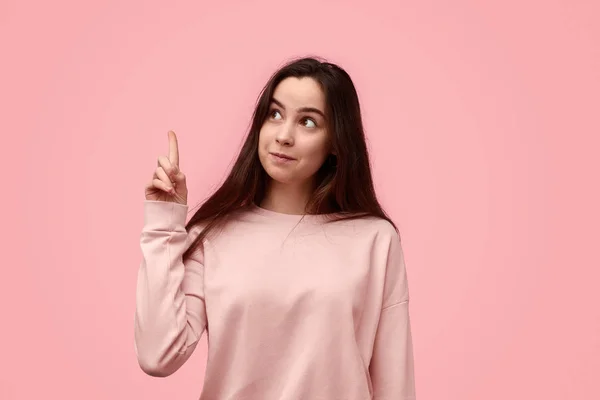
(291, 267)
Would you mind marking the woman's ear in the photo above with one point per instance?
(331, 148)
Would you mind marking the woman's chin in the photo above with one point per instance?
(279, 177)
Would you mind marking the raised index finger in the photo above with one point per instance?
(173, 149)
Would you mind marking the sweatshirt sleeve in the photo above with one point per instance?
(170, 314)
(392, 365)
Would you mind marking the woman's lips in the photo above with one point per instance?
(281, 158)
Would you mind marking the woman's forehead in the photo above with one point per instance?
(300, 92)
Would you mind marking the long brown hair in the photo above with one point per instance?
(344, 185)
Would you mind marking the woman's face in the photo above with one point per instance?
(295, 127)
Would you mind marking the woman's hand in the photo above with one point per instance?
(168, 182)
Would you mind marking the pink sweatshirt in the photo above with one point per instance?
(292, 311)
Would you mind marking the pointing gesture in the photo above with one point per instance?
(173, 149)
(168, 182)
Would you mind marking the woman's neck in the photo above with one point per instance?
(286, 198)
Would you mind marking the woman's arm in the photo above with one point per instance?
(392, 363)
(170, 314)
(392, 368)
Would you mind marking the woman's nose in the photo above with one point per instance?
(285, 135)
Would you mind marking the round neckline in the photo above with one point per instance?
(289, 217)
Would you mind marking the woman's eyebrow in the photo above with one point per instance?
(302, 109)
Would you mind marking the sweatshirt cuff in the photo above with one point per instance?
(164, 215)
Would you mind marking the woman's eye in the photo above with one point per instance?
(273, 113)
(310, 121)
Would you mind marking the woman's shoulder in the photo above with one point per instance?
(365, 229)
(375, 224)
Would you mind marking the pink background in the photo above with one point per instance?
(483, 124)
